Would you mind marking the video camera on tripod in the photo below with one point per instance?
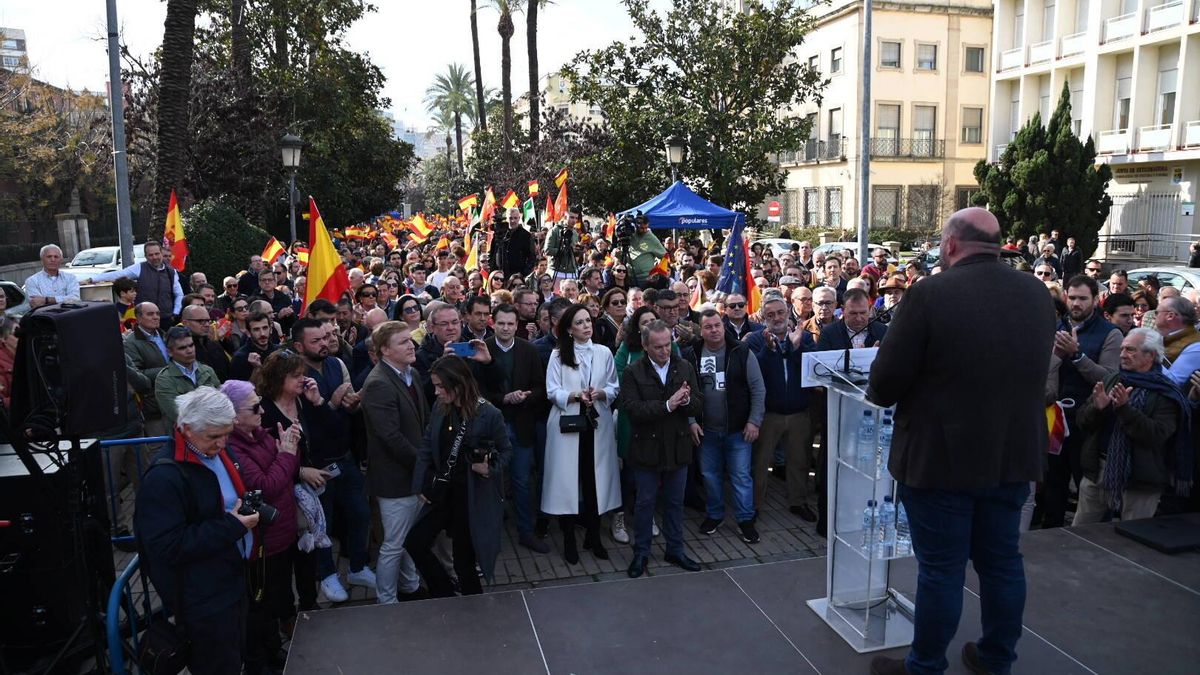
(627, 226)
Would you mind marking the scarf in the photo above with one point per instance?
(309, 505)
(1182, 457)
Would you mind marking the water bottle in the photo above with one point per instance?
(887, 528)
(903, 535)
(868, 529)
(866, 442)
(884, 450)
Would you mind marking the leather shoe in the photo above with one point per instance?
(883, 665)
(683, 562)
(638, 567)
(805, 512)
(970, 658)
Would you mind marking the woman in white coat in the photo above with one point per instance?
(581, 478)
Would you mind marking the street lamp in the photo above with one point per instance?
(290, 146)
(675, 147)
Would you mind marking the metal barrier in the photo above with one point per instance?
(121, 603)
(110, 478)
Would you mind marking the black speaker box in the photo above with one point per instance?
(69, 371)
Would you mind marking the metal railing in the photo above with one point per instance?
(1120, 27)
(908, 148)
(816, 150)
(1164, 16)
(110, 473)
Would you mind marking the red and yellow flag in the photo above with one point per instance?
(472, 251)
(469, 201)
(560, 204)
(327, 276)
(444, 242)
(420, 227)
(489, 207)
(392, 241)
(272, 252)
(511, 200)
(550, 215)
(173, 236)
(560, 179)
(358, 232)
(302, 255)
(663, 267)
(533, 188)
(610, 228)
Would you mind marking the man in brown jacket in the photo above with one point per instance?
(660, 393)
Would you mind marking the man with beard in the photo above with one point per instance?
(526, 302)
(254, 351)
(512, 250)
(1090, 349)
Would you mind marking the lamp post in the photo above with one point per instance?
(290, 146)
(675, 147)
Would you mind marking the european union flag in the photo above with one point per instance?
(735, 273)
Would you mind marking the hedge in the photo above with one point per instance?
(220, 239)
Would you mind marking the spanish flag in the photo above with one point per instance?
(610, 228)
(489, 207)
(420, 227)
(469, 201)
(560, 179)
(327, 276)
(173, 236)
(550, 215)
(560, 204)
(392, 241)
(533, 188)
(302, 255)
(472, 251)
(444, 242)
(663, 267)
(272, 252)
(511, 200)
(1056, 421)
(417, 239)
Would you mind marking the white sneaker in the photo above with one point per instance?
(655, 531)
(332, 587)
(619, 533)
(363, 577)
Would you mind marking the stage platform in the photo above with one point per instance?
(1097, 603)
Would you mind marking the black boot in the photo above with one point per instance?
(591, 540)
(570, 553)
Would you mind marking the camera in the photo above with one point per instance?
(626, 227)
(252, 503)
(485, 453)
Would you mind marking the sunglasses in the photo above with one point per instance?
(619, 270)
(618, 302)
(1044, 274)
(736, 305)
(367, 295)
(1094, 269)
(241, 308)
(412, 309)
(257, 409)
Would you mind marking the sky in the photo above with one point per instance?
(410, 40)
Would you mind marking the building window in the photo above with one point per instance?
(926, 57)
(814, 62)
(974, 60)
(812, 207)
(962, 197)
(887, 130)
(924, 206)
(972, 126)
(1121, 110)
(833, 207)
(792, 207)
(1165, 112)
(885, 206)
(11, 43)
(889, 54)
(833, 143)
(11, 61)
(924, 130)
(835, 60)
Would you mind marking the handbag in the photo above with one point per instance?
(441, 482)
(574, 424)
(165, 647)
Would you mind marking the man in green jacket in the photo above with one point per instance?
(182, 374)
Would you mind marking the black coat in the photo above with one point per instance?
(837, 336)
(527, 376)
(513, 252)
(968, 377)
(212, 354)
(659, 440)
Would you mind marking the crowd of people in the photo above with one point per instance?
(606, 386)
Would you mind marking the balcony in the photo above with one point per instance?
(1120, 27)
(1012, 58)
(1041, 52)
(1164, 16)
(1000, 151)
(1191, 134)
(908, 148)
(1114, 142)
(1074, 44)
(1155, 137)
(815, 150)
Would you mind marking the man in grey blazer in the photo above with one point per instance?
(393, 402)
(967, 378)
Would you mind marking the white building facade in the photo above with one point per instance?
(1133, 70)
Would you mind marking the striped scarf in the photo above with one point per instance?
(1120, 456)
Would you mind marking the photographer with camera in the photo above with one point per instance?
(194, 540)
(560, 247)
(270, 466)
(459, 479)
(644, 249)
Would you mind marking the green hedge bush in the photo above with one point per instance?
(220, 239)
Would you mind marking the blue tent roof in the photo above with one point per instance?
(678, 207)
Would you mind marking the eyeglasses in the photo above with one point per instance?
(412, 309)
(1044, 273)
(241, 308)
(824, 303)
(366, 295)
(619, 270)
(1094, 269)
(443, 324)
(199, 320)
(620, 302)
(256, 409)
(736, 305)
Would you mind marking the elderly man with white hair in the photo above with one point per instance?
(1175, 320)
(1138, 435)
(196, 543)
(49, 285)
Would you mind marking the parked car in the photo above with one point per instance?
(93, 261)
(1183, 278)
(839, 246)
(17, 302)
(933, 257)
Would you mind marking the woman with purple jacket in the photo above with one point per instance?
(273, 467)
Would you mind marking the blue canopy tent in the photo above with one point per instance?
(678, 207)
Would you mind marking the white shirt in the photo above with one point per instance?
(61, 287)
(661, 370)
(405, 374)
(512, 343)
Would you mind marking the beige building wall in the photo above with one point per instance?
(557, 95)
(929, 115)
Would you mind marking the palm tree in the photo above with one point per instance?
(174, 94)
(531, 19)
(505, 27)
(480, 117)
(444, 121)
(450, 93)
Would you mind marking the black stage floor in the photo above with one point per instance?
(1097, 603)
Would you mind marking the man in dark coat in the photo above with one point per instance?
(660, 393)
(517, 387)
(855, 329)
(968, 379)
(513, 250)
(396, 412)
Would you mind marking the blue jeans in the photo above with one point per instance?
(721, 454)
(647, 485)
(346, 492)
(520, 467)
(948, 527)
